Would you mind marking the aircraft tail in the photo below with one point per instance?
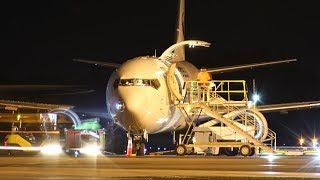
(180, 52)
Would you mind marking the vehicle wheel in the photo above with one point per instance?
(253, 151)
(245, 150)
(181, 150)
(231, 151)
(76, 153)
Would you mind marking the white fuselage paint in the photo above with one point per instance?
(146, 107)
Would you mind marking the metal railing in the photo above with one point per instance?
(227, 95)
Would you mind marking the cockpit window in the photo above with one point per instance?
(140, 82)
(126, 82)
(155, 83)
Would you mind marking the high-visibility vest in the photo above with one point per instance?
(204, 76)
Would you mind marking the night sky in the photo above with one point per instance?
(40, 39)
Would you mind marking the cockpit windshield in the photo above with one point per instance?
(140, 82)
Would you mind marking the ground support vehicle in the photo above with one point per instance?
(234, 127)
(89, 142)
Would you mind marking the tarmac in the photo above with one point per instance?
(158, 167)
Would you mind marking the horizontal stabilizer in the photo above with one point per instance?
(246, 66)
(100, 63)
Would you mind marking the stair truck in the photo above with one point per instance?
(234, 127)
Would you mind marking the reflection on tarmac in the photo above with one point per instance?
(164, 167)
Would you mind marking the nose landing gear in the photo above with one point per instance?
(138, 148)
(138, 142)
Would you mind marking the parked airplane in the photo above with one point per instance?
(138, 96)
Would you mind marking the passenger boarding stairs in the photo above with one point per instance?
(205, 100)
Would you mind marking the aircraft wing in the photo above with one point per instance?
(246, 66)
(25, 87)
(284, 107)
(100, 63)
(13, 105)
(51, 90)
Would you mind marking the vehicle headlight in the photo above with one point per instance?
(51, 149)
(92, 150)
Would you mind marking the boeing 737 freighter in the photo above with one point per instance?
(138, 96)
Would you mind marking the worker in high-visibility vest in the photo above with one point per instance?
(203, 76)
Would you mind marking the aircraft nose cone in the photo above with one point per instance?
(135, 106)
(141, 111)
(132, 105)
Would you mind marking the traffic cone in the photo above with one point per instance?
(129, 147)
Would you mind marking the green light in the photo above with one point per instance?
(94, 125)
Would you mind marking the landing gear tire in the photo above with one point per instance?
(245, 150)
(140, 152)
(231, 151)
(135, 148)
(181, 150)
